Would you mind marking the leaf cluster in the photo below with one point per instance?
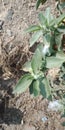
(49, 54)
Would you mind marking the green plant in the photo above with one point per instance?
(60, 4)
(39, 2)
(49, 54)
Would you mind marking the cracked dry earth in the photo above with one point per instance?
(21, 112)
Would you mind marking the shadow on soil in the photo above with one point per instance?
(6, 85)
(8, 115)
(13, 116)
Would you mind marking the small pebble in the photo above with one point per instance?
(10, 14)
(9, 33)
(44, 119)
(1, 24)
(55, 106)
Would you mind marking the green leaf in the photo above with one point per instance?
(60, 55)
(45, 88)
(42, 20)
(58, 40)
(59, 19)
(35, 37)
(47, 39)
(52, 62)
(48, 15)
(33, 29)
(23, 84)
(31, 87)
(38, 3)
(61, 6)
(27, 67)
(63, 124)
(63, 115)
(40, 47)
(61, 29)
(42, 89)
(36, 89)
(43, 1)
(36, 61)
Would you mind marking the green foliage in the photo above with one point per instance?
(33, 79)
(49, 54)
(23, 83)
(35, 37)
(36, 89)
(39, 2)
(55, 61)
(45, 88)
(60, 4)
(33, 28)
(48, 27)
(36, 61)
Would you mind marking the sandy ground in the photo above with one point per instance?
(21, 112)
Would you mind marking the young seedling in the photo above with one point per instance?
(48, 55)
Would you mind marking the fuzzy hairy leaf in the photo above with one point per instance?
(35, 37)
(60, 19)
(33, 28)
(58, 40)
(36, 61)
(52, 62)
(39, 2)
(42, 89)
(36, 89)
(60, 55)
(56, 21)
(27, 67)
(23, 84)
(45, 88)
(48, 15)
(61, 29)
(63, 124)
(42, 20)
(31, 87)
(47, 39)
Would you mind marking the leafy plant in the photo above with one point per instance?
(50, 29)
(35, 79)
(49, 54)
(39, 2)
(60, 4)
